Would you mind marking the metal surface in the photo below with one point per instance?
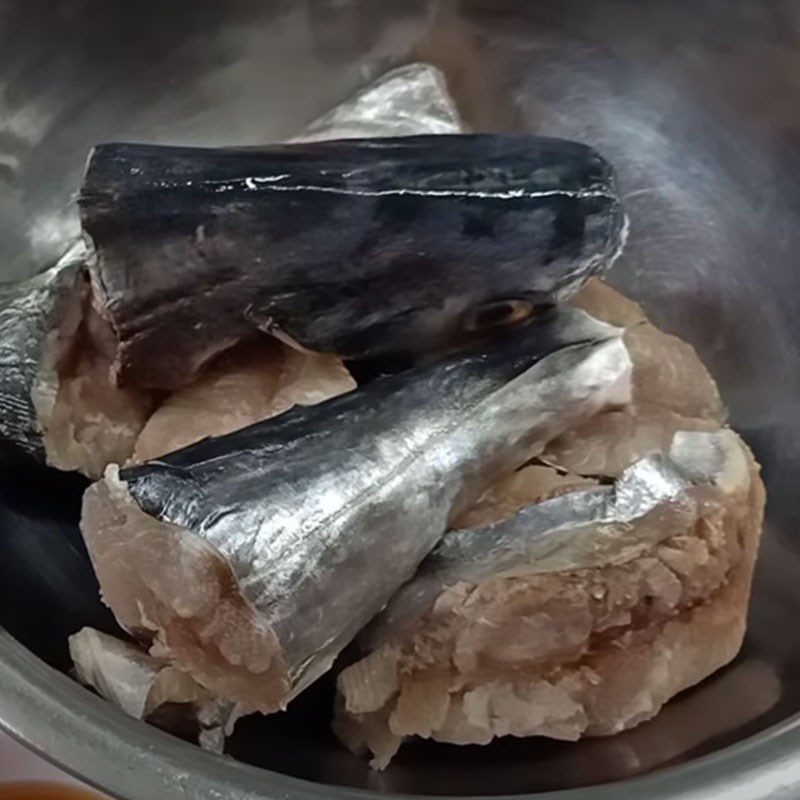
(696, 102)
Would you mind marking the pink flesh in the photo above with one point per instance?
(88, 422)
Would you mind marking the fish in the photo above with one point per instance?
(252, 559)
(672, 390)
(55, 402)
(142, 686)
(364, 248)
(503, 629)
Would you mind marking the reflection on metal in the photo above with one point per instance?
(407, 101)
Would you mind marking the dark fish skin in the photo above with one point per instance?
(30, 311)
(323, 512)
(361, 247)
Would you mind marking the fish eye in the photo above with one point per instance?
(499, 313)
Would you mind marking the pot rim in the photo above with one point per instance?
(88, 737)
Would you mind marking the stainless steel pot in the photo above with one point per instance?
(697, 102)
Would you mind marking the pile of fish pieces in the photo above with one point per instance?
(258, 512)
(252, 644)
(251, 560)
(223, 557)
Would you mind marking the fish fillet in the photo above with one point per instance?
(361, 247)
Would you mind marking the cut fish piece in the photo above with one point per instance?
(30, 312)
(142, 685)
(251, 556)
(376, 247)
(129, 677)
(558, 621)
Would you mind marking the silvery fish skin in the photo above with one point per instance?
(256, 557)
(30, 311)
(361, 247)
(407, 101)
